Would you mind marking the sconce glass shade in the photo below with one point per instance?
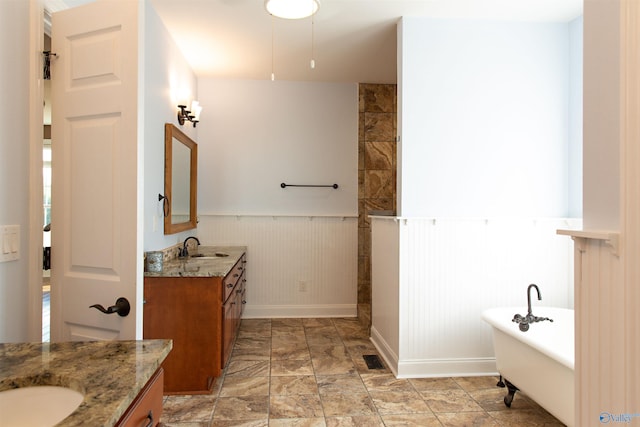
(292, 9)
(196, 109)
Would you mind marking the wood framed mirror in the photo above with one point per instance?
(180, 180)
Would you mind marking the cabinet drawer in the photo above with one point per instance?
(146, 409)
(232, 279)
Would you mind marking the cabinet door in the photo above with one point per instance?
(241, 294)
(186, 310)
(243, 301)
(228, 329)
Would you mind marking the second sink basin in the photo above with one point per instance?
(38, 405)
(205, 256)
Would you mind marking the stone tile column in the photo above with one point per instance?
(377, 132)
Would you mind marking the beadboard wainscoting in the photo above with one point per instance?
(599, 325)
(432, 278)
(297, 266)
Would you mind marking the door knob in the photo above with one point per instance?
(122, 307)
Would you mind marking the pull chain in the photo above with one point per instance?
(273, 75)
(313, 61)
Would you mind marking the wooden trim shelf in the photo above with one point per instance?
(609, 237)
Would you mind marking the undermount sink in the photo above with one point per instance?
(205, 256)
(38, 405)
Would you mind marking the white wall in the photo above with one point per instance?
(385, 289)
(449, 271)
(284, 252)
(166, 73)
(257, 134)
(602, 117)
(484, 118)
(14, 164)
(484, 180)
(575, 118)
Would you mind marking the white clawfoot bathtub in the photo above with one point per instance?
(540, 361)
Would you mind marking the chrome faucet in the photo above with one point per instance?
(524, 321)
(185, 252)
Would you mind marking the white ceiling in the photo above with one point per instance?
(354, 40)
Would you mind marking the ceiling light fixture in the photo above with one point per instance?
(292, 9)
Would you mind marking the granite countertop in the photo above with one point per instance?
(209, 261)
(109, 374)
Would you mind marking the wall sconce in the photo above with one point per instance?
(192, 115)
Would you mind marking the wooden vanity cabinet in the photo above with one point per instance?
(201, 315)
(146, 409)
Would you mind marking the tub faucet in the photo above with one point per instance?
(524, 321)
(185, 252)
(529, 297)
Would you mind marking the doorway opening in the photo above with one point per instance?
(46, 205)
(46, 238)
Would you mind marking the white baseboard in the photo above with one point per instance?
(387, 353)
(312, 310)
(432, 368)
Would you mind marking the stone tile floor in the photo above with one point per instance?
(310, 372)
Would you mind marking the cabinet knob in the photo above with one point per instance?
(150, 418)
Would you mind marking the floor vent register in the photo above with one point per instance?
(373, 361)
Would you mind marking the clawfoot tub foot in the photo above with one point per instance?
(511, 390)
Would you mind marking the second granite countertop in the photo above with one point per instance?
(109, 374)
(206, 261)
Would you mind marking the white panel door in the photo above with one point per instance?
(95, 184)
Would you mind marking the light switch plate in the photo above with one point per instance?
(9, 243)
